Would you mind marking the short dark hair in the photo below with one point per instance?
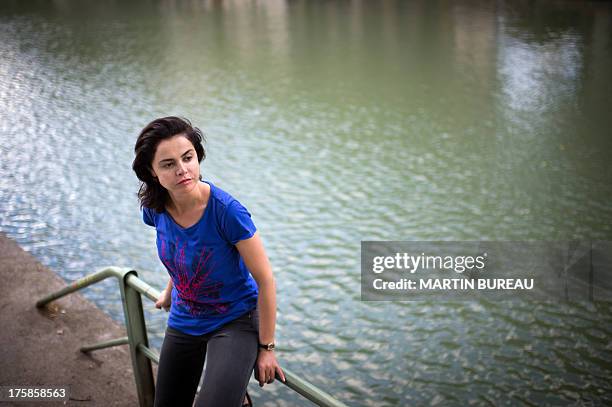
(151, 194)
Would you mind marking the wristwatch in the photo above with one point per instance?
(269, 346)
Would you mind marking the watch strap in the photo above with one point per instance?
(268, 346)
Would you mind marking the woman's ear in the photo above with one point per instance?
(153, 173)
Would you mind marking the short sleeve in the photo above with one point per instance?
(237, 224)
(147, 216)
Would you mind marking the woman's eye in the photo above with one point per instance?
(188, 158)
(168, 165)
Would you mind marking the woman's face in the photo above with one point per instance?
(176, 165)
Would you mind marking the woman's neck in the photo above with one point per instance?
(187, 202)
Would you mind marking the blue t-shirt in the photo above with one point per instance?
(212, 285)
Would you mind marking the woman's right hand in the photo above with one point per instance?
(164, 300)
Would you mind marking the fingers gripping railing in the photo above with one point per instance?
(131, 288)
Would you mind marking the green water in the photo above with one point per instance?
(333, 122)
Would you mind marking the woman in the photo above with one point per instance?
(221, 294)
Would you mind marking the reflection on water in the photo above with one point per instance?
(333, 123)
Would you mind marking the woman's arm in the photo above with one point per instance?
(165, 298)
(256, 260)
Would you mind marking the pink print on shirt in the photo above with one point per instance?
(197, 292)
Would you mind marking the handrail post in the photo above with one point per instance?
(137, 335)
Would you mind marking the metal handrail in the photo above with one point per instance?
(132, 288)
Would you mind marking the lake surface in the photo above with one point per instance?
(333, 123)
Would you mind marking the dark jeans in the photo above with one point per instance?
(230, 353)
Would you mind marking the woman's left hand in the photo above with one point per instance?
(267, 366)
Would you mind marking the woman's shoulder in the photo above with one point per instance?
(220, 196)
(149, 216)
(233, 219)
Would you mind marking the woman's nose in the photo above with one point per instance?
(181, 169)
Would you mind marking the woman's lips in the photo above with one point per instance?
(185, 181)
